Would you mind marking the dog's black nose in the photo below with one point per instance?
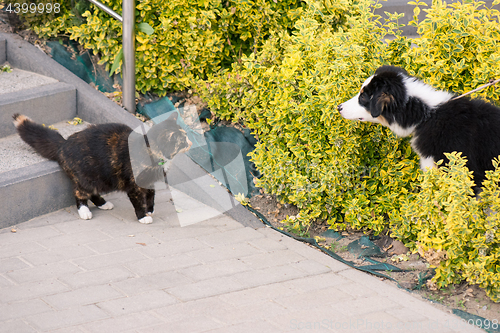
(339, 107)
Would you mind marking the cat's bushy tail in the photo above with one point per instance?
(44, 140)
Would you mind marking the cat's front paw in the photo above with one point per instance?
(150, 213)
(107, 205)
(146, 220)
(85, 213)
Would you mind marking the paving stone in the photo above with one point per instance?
(127, 228)
(66, 318)
(260, 326)
(17, 326)
(58, 254)
(311, 267)
(103, 215)
(161, 264)
(123, 323)
(305, 251)
(191, 231)
(163, 196)
(195, 324)
(223, 223)
(4, 282)
(137, 303)
(164, 208)
(142, 284)
(310, 299)
(225, 252)
(123, 243)
(321, 281)
(389, 292)
(123, 211)
(270, 259)
(230, 237)
(435, 326)
(165, 221)
(79, 225)
(14, 310)
(360, 306)
(172, 248)
(317, 319)
(206, 288)
(184, 311)
(215, 269)
(74, 329)
(249, 312)
(19, 249)
(193, 215)
(356, 290)
(404, 315)
(11, 264)
(60, 216)
(378, 321)
(373, 283)
(267, 244)
(272, 234)
(456, 324)
(31, 290)
(105, 260)
(268, 275)
(43, 272)
(82, 296)
(96, 277)
(79, 238)
(258, 294)
(28, 235)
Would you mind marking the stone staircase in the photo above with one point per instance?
(45, 91)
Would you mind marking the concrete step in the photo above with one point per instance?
(18, 80)
(15, 153)
(29, 184)
(39, 97)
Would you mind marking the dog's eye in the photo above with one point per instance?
(364, 98)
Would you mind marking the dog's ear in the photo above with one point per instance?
(379, 103)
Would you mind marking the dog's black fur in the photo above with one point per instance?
(470, 126)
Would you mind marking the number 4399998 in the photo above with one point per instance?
(41, 8)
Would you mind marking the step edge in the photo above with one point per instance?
(36, 92)
(28, 172)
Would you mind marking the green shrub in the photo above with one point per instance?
(191, 38)
(359, 174)
(454, 231)
(458, 48)
(342, 171)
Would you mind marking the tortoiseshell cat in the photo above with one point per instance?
(97, 160)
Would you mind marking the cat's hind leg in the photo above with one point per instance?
(137, 197)
(100, 202)
(82, 205)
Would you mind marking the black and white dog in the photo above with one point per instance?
(439, 123)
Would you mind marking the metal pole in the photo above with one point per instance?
(107, 10)
(128, 43)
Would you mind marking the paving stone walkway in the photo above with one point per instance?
(112, 274)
